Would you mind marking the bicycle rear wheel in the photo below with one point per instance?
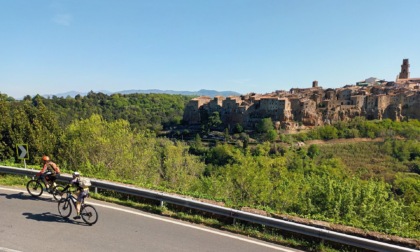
(89, 214)
(34, 188)
(57, 192)
(64, 208)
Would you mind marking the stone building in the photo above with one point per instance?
(314, 106)
(192, 109)
(233, 111)
(404, 76)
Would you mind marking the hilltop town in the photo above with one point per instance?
(308, 107)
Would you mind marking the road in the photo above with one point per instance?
(31, 224)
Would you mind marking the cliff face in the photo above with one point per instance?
(310, 107)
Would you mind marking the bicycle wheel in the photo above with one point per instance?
(34, 188)
(57, 192)
(89, 214)
(64, 208)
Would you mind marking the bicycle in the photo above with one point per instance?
(87, 212)
(36, 187)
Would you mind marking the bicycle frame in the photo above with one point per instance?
(70, 197)
(39, 179)
(88, 212)
(36, 186)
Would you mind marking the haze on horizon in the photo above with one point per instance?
(57, 46)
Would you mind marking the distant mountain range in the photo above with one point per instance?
(201, 92)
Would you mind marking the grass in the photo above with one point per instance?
(13, 180)
(255, 231)
(365, 159)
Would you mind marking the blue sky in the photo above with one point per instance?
(50, 47)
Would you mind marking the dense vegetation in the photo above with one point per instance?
(373, 185)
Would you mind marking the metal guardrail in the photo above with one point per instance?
(233, 213)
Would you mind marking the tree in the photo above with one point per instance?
(238, 128)
(220, 155)
(271, 135)
(313, 150)
(265, 125)
(178, 170)
(245, 139)
(226, 135)
(196, 146)
(328, 132)
(214, 120)
(6, 150)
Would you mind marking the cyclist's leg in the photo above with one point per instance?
(79, 197)
(57, 175)
(44, 179)
(85, 194)
(47, 179)
(78, 204)
(53, 178)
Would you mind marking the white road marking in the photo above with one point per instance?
(174, 222)
(8, 250)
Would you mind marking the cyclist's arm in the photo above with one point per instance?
(72, 182)
(42, 171)
(68, 185)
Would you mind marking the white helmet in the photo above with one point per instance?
(75, 174)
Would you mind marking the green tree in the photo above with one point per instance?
(220, 155)
(178, 170)
(238, 128)
(197, 147)
(313, 150)
(265, 125)
(271, 135)
(6, 150)
(407, 187)
(214, 120)
(328, 132)
(113, 150)
(227, 135)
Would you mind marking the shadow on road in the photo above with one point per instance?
(47, 216)
(50, 217)
(23, 196)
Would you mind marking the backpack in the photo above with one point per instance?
(57, 169)
(84, 183)
(53, 168)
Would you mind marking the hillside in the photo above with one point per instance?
(359, 155)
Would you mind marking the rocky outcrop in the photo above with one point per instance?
(310, 107)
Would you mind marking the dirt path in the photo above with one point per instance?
(344, 140)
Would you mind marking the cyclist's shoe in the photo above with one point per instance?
(76, 217)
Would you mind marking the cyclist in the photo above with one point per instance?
(81, 192)
(49, 172)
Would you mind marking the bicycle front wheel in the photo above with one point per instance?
(34, 188)
(58, 192)
(64, 208)
(89, 214)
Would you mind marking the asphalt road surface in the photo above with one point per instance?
(34, 224)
